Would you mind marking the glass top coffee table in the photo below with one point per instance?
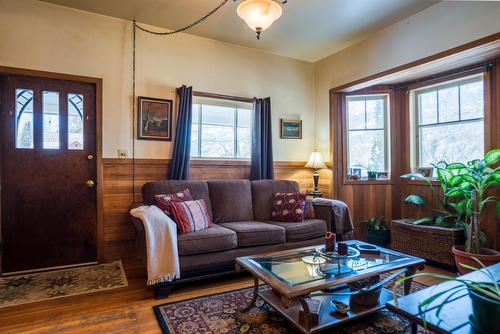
(299, 275)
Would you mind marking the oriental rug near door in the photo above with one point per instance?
(30, 288)
(217, 314)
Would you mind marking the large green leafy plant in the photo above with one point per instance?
(464, 187)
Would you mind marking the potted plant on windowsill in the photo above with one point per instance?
(484, 296)
(378, 233)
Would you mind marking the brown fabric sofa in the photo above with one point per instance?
(241, 211)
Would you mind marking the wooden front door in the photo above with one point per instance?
(48, 173)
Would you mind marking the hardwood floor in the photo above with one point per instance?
(125, 310)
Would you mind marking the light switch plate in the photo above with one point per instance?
(122, 153)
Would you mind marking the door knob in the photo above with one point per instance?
(90, 157)
(90, 183)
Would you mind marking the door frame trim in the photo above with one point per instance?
(6, 70)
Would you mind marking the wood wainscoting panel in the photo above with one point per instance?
(119, 233)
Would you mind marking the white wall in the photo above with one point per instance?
(436, 29)
(42, 36)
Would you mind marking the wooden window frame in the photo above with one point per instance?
(340, 134)
(414, 117)
(220, 97)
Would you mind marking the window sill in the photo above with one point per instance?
(419, 182)
(219, 162)
(368, 182)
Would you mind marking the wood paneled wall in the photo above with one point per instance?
(119, 233)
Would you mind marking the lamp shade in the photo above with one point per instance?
(259, 14)
(315, 161)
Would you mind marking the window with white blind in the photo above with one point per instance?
(221, 129)
(449, 122)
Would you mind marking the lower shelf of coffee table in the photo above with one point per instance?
(327, 317)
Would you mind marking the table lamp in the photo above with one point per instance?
(316, 162)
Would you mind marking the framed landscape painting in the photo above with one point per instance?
(154, 121)
(291, 129)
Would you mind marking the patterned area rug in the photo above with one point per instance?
(29, 288)
(216, 314)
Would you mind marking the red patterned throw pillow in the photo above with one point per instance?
(289, 207)
(191, 216)
(165, 201)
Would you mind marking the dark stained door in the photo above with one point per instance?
(48, 173)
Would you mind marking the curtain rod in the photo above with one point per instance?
(487, 66)
(223, 97)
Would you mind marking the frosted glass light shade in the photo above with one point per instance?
(315, 161)
(259, 14)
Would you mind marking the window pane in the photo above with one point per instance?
(451, 143)
(471, 100)
(218, 115)
(448, 104)
(217, 133)
(50, 109)
(428, 107)
(24, 118)
(374, 114)
(217, 141)
(244, 117)
(356, 114)
(244, 133)
(195, 130)
(366, 149)
(75, 121)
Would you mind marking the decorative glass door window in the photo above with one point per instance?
(50, 109)
(368, 146)
(75, 121)
(449, 122)
(24, 118)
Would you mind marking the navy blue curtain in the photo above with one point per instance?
(262, 144)
(179, 169)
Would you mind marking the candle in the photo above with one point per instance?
(342, 247)
(330, 242)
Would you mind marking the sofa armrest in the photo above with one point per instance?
(336, 214)
(140, 236)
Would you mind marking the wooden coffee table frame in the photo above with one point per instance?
(288, 300)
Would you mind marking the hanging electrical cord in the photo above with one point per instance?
(189, 26)
(135, 27)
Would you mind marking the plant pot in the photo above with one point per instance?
(372, 175)
(485, 312)
(378, 237)
(488, 257)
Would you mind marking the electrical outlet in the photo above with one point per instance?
(122, 153)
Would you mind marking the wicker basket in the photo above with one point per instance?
(432, 243)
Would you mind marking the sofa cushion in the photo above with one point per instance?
(214, 239)
(197, 189)
(164, 201)
(252, 233)
(288, 207)
(263, 193)
(191, 216)
(305, 230)
(231, 200)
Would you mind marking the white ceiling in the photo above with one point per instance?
(308, 29)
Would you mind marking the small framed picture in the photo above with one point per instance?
(154, 119)
(383, 176)
(354, 174)
(426, 172)
(291, 128)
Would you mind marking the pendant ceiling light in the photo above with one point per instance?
(259, 14)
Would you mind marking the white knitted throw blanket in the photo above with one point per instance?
(161, 244)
